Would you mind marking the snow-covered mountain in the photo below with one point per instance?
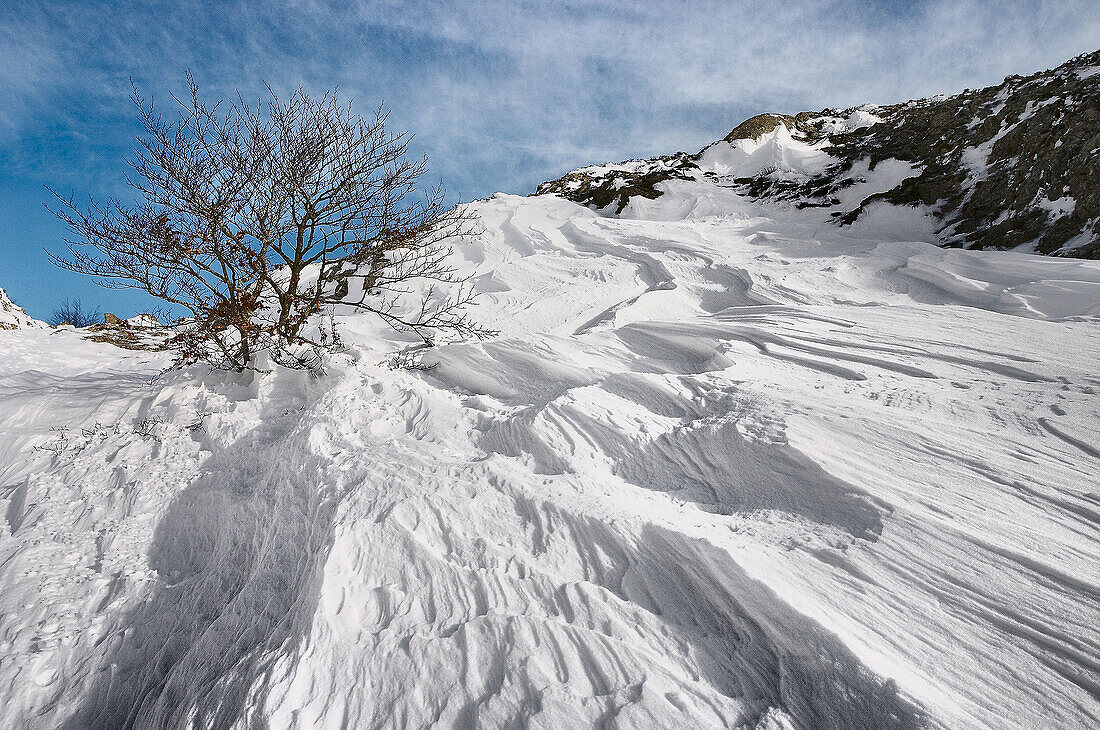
(728, 464)
(1014, 166)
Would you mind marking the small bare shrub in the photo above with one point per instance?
(255, 219)
(73, 312)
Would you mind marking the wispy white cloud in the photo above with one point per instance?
(503, 94)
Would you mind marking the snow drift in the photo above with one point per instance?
(726, 465)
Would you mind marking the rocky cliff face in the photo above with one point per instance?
(1012, 166)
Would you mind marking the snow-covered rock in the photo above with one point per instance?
(142, 320)
(12, 315)
(771, 152)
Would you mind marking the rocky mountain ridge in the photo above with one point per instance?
(1011, 166)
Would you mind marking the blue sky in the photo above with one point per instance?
(500, 95)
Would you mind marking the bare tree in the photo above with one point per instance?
(73, 312)
(256, 219)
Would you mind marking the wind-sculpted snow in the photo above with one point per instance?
(237, 553)
(723, 467)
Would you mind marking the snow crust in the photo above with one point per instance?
(1059, 207)
(725, 466)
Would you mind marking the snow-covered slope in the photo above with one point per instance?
(726, 465)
